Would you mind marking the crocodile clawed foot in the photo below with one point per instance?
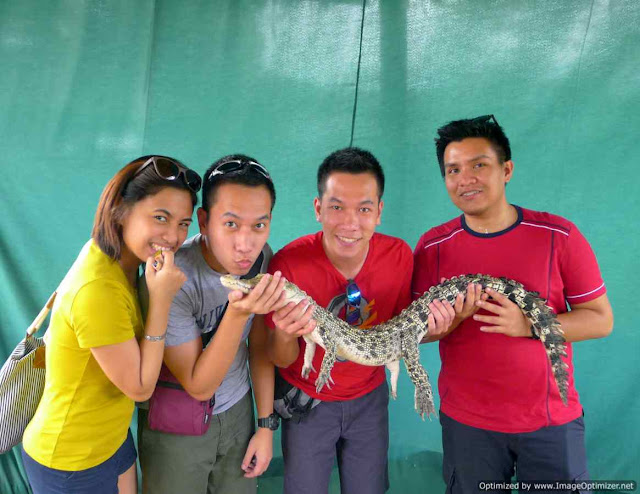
(306, 370)
(423, 404)
(322, 381)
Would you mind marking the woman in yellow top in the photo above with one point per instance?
(100, 356)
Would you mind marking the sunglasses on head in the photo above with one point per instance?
(232, 166)
(171, 170)
(486, 118)
(352, 309)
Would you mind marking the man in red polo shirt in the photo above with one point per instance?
(500, 408)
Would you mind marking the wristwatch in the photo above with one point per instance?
(271, 422)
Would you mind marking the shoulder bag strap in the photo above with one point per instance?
(37, 322)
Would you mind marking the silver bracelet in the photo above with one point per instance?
(154, 338)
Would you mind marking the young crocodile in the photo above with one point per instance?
(399, 337)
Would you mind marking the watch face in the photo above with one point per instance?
(270, 422)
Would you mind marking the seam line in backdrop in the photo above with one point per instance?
(355, 97)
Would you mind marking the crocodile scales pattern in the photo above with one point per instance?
(399, 337)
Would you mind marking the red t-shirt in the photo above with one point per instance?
(494, 381)
(385, 287)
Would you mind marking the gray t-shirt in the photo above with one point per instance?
(196, 309)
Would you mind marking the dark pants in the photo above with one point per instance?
(101, 479)
(354, 431)
(475, 456)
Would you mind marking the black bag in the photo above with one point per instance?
(289, 402)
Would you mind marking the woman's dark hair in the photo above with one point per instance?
(121, 193)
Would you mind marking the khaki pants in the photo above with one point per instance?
(207, 464)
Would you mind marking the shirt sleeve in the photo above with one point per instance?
(182, 325)
(423, 273)
(580, 272)
(103, 313)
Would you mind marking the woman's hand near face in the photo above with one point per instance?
(165, 280)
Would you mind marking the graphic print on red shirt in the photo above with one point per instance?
(385, 284)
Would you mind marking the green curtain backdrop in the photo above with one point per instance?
(88, 85)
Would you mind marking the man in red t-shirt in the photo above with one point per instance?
(365, 278)
(500, 408)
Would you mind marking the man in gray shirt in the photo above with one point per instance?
(206, 348)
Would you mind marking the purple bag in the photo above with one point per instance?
(173, 410)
